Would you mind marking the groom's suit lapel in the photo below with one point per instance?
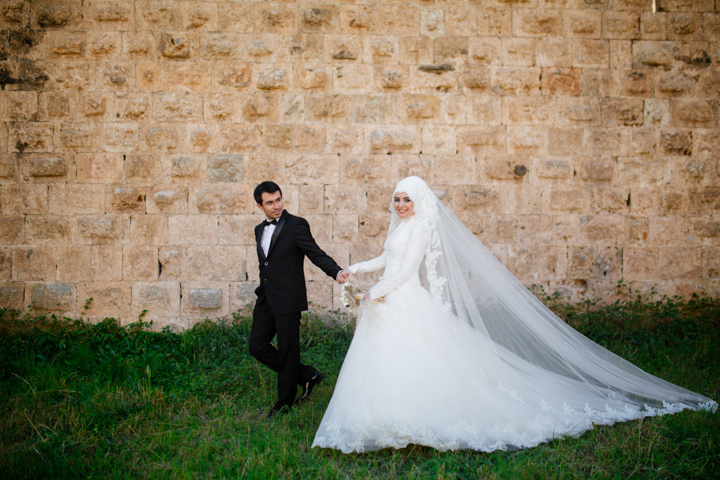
(258, 241)
(280, 225)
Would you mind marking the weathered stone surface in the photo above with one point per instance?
(536, 264)
(157, 299)
(49, 297)
(217, 263)
(12, 295)
(140, 263)
(106, 262)
(102, 229)
(48, 230)
(148, 230)
(75, 199)
(109, 299)
(191, 229)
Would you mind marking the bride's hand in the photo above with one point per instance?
(365, 298)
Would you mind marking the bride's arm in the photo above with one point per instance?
(414, 253)
(370, 266)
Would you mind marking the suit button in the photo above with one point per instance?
(266, 264)
(265, 280)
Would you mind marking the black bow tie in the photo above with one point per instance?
(268, 222)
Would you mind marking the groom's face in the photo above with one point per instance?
(272, 205)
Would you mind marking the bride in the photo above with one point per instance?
(451, 351)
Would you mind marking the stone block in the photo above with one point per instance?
(140, 262)
(12, 294)
(591, 53)
(225, 168)
(485, 50)
(623, 111)
(237, 17)
(555, 169)
(106, 262)
(373, 228)
(96, 107)
(452, 169)
(657, 112)
(484, 110)
(343, 49)
(109, 299)
(18, 106)
(676, 263)
(121, 199)
(118, 76)
(220, 46)
(643, 170)
(527, 140)
(203, 300)
(198, 16)
(383, 49)
(259, 168)
(536, 264)
(647, 53)
(242, 297)
(584, 23)
(358, 18)
(434, 78)
(216, 263)
(51, 297)
(24, 199)
(73, 263)
(707, 229)
(143, 168)
(516, 81)
(310, 138)
(326, 108)
(621, 25)
(99, 168)
(461, 20)
(48, 230)
(561, 81)
(344, 229)
(12, 232)
(478, 199)
(439, 139)
(312, 169)
(601, 82)
(228, 198)
(381, 109)
(570, 199)
(133, 107)
(639, 83)
(148, 230)
(677, 83)
(186, 168)
(364, 169)
(74, 199)
(432, 22)
(8, 168)
(481, 140)
(595, 263)
(279, 137)
(66, 46)
(394, 140)
(553, 52)
(192, 229)
(528, 110)
(123, 138)
(494, 22)
(606, 141)
(537, 23)
(239, 138)
(600, 230)
(276, 18)
(415, 50)
(311, 199)
(101, 229)
(76, 137)
(640, 263)
(31, 137)
(148, 76)
(671, 230)
(704, 200)
(685, 27)
(566, 141)
(692, 114)
(15, 14)
(192, 76)
(138, 45)
(399, 19)
(161, 137)
(638, 229)
(653, 26)
(450, 50)
(607, 199)
(706, 143)
(337, 197)
(320, 294)
(518, 52)
(261, 108)
(34, 263)
(525, 229)
(179, 47)
(172, 263)
(711, 262)
(353, 78)
(676, 142)
(5, 269)
(177, 106)
(157, 300)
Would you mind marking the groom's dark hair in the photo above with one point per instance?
(265, 187)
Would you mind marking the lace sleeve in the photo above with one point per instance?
(373, 265)
(414, 252)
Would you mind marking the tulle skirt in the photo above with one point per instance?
(415, 374)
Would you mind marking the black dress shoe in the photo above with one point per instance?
(308, 388)
(278, 410)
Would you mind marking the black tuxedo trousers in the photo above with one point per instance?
(282, 296)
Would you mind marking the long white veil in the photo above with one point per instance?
(544, 351)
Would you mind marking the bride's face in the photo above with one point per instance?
(403, 205)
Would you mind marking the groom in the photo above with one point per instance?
(283, 241)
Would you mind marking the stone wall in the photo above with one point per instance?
(577, 138)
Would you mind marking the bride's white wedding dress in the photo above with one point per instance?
(419, 372)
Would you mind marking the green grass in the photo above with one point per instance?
(101, 401)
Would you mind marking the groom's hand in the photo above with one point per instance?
(343, 276)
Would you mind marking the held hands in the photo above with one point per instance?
(343, 276)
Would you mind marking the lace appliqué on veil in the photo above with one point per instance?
(435, 281)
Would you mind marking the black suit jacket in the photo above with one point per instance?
(282, 278)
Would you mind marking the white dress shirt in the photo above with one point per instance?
(266, 237)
